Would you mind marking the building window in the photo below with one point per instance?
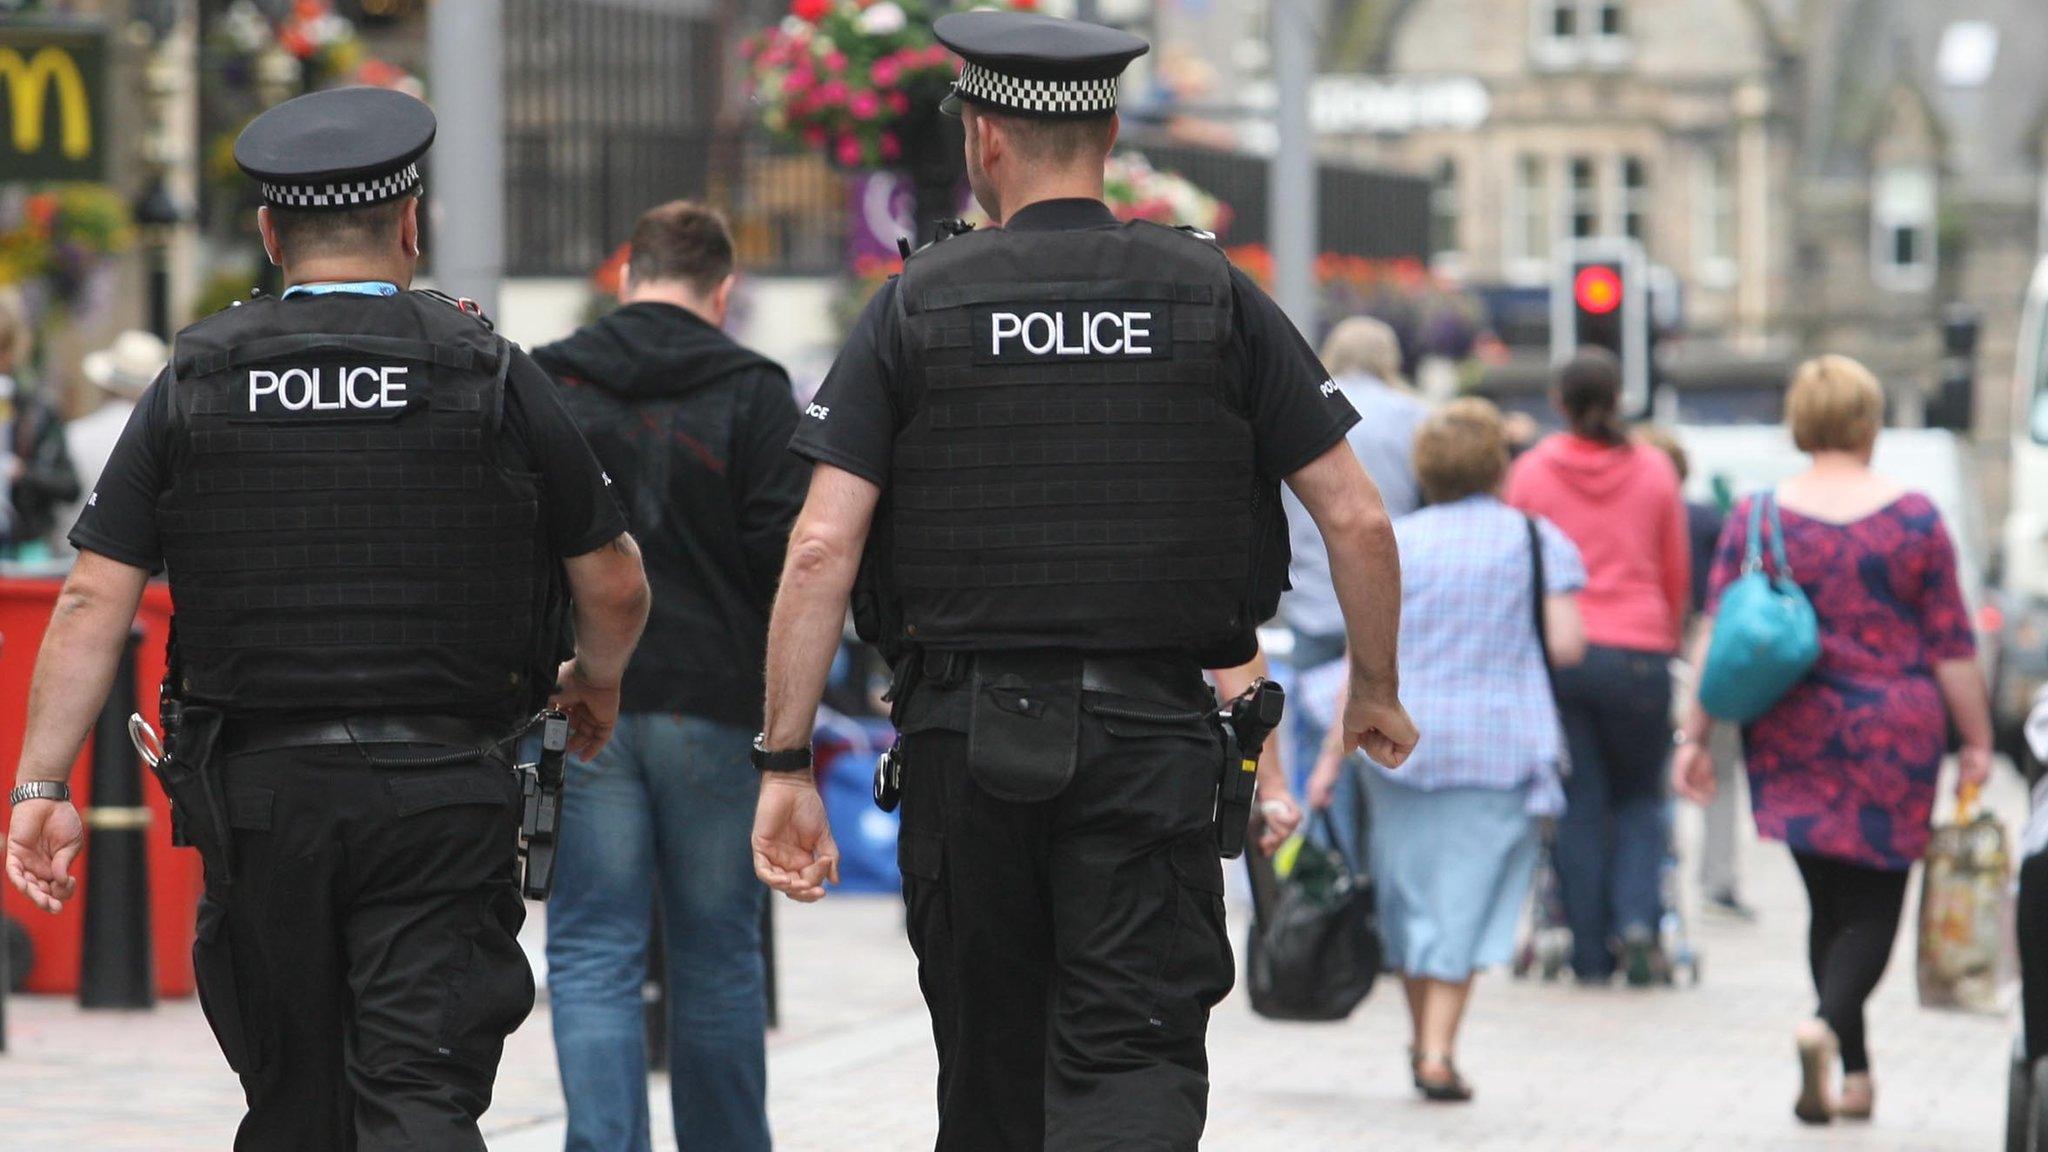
(1584, 205)
(1564, 19)
(1635, 199)
(1444, 209)
(1903, 211)
(1611, 24)
(1714, 218)
(1530, 222)
(1580, 33)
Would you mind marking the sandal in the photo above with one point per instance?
(1450, 1088)
(1817, 1049)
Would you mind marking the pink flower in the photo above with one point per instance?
(892, 149)
(832, 92)
(865, 105)
(898, 103)
(814, 136)
(886, 72)
(849, 150)
(795, 83)
(835, 62)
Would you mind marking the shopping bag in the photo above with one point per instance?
(1315, 945)
(1967, 959)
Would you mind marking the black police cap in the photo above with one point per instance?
(1025, 64)
(342, 148)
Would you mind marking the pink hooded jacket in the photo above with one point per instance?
(1621, 506)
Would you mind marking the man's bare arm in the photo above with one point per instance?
(608, 588)
(1365, 568)
(793, 848)
(810, 608)
(80, 653)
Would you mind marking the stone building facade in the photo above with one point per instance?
(1811, 174)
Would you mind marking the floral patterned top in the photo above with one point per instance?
(1845, 765)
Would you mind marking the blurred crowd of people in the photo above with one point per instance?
(49, 464)
(1550, 585)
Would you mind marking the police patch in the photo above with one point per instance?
(1023, 333)
(328, 391)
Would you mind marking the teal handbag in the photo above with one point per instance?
(1766, 637)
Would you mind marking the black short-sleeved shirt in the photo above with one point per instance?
(1296, 415)
(119, 520)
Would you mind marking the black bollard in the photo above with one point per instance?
(116, 968)
(6, 972)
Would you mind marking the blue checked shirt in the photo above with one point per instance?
(1471, 669)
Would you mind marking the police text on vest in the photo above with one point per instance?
(328, 388)
(1072, 332)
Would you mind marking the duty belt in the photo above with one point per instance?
(1151, 676)
(243, 736)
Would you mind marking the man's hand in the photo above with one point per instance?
(1377, 725)
(592, 709)
(793, 848)
(1692, 773)
(43, 838)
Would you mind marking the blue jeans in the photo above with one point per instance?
(1610, 842)
(665, 810)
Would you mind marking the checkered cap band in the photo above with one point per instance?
(347, 194)
(1040, 97)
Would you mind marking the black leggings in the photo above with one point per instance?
(1855, 920)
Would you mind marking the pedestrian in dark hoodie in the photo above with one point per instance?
(693, 430)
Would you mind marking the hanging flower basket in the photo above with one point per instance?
(855, 79)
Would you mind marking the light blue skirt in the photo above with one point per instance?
(1451, 869)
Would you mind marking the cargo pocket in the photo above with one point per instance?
(490, 986)
(1195, 970)
(230, 999)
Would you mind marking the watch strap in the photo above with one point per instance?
(780, 759)
(40, 790)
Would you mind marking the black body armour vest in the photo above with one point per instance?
(1073, 468)
(341, 534)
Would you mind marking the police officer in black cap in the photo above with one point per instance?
(375, 517)
(1046, 471)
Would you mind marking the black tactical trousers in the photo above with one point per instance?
(1070, 950)
(362, 971)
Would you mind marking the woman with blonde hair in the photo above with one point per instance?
(1843, 768)
(1454, 834)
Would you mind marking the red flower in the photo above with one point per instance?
(892, 149)
(850, 152)
(810, 11)
(1024, 5)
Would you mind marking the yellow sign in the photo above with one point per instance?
(51, 80)
(29, 82)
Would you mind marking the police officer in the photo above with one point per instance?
(1067, 436)
(375, 515)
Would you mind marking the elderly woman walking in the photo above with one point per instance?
(1843, 768)
(1454, 832)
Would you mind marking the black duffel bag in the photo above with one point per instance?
(1315, 942)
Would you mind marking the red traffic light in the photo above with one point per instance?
(1597, 289)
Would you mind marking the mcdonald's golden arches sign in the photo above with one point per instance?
(53, 83)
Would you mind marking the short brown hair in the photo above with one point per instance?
(684, 241)
(303, 232)
(1461, 450)
(1057, 142)
(1835, 404)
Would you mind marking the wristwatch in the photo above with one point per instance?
(40, 790)
(780, 760)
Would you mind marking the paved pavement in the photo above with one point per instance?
(1557, 1068)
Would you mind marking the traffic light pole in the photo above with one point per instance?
(1600, 297)
(1291, 179)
